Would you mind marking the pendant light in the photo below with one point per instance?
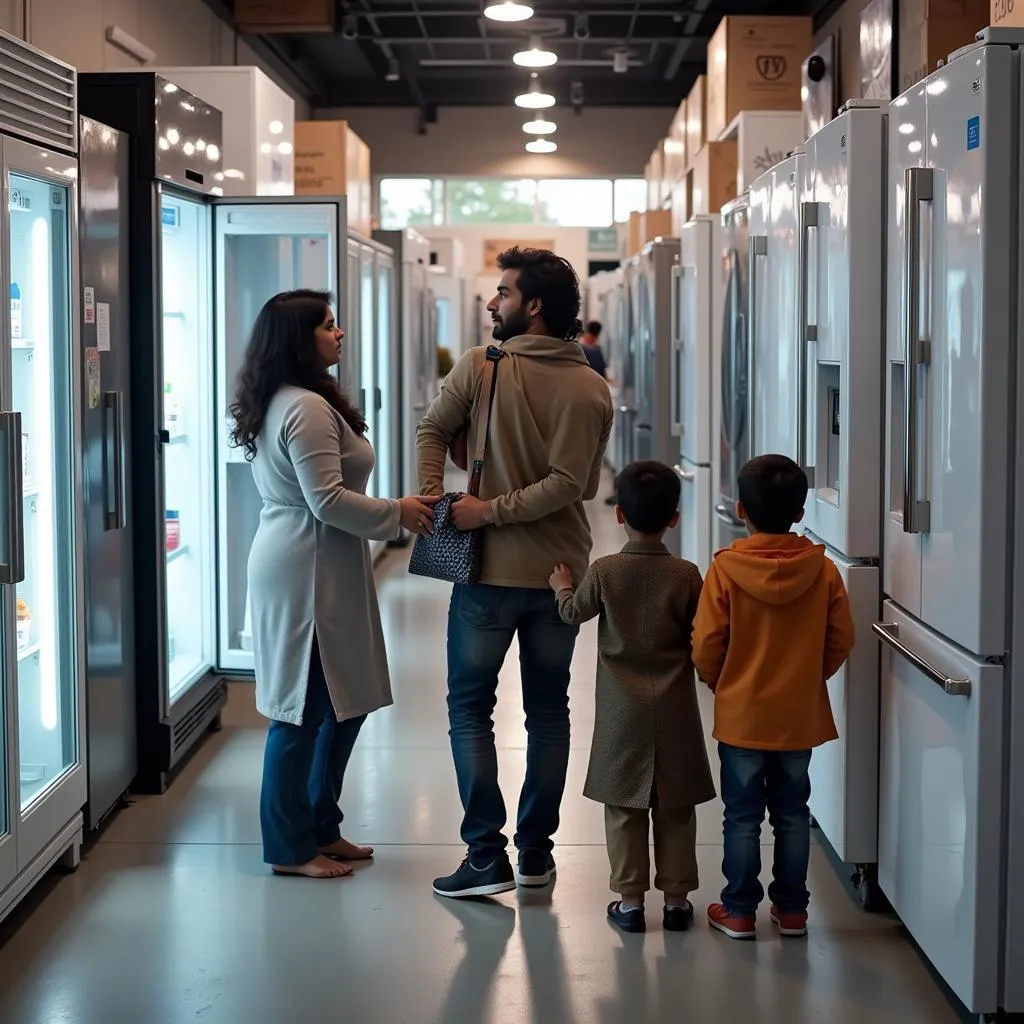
(536, 56)
(508, 10)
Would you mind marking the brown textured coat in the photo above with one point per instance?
(647, 728)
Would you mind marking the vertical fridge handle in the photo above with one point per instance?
(917, 189)
(808, 332)
(757, 245)
(113, 403)
(675, 405)
(12, 570)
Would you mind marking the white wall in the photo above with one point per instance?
(569, 242)
(182, 32)
(487, 141)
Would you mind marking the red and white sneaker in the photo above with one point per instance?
(730, 924)
(792, 924)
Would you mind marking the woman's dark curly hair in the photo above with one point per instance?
(282, 351)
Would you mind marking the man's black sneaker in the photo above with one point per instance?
(678, 918)
(470, 881)
(629, 919)
(536, 869)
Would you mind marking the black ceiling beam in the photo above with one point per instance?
(520, 42)
(406, 71)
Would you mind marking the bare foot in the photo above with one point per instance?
(342, 849)
(319, 867)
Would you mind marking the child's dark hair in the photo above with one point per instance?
(648, 494)
(772, 491)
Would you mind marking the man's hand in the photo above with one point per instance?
(469, 513)
(560, 579)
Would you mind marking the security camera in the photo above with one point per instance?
(816, 68)
(581, 27)
(349, 27)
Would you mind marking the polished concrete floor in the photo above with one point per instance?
(172, 916)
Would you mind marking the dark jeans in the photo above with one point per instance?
(482, 621)
(751, 781)
(303, 770)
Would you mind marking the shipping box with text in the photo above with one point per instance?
(331, 160)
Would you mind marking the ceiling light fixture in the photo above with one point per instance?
(541, 146)
(538, 126)
(536, 56)
(534, 99)
(508, 10)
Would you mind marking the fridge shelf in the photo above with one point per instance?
(29, 491)
(27, 652)
(178, 439)
(23, 344)
(174, 555)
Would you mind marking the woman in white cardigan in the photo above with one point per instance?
(321, 667)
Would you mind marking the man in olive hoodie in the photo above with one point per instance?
(550, 426)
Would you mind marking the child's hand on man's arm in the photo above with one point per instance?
(560, 579)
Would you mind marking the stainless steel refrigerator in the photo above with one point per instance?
(736, 354)
(109, 612)
(42, 600)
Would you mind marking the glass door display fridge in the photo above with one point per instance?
(262, 246)
(42, 770)
(175, 164)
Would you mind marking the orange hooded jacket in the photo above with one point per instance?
(773, 624)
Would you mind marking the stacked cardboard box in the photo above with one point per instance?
(645, 227)
(930, 30)
(754, 64)
(331, 160)
(1006, 13)
(654, 174)
(713, 177)
(285, 16)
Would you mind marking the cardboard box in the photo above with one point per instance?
(913, 12)
(680, 205)
(675, 148)
(1006, 13)
(714, 177)
(696, 119)
(635, 230)
(285, 16)
(645, 227)
(922, 46)
(655, 175)
(754, 63)
(331, 160)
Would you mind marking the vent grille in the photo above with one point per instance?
(38, 96)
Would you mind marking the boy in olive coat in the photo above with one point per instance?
(648, 758)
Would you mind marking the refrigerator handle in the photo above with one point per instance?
(13, 569)
(917, 189)
(808, 332)
(675, 320)
(889, 634)
(113, 405)
(757, 245)
(685, 474)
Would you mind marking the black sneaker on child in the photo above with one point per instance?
(536, 869)
(629, 919)
(472, 881)
(678, 918)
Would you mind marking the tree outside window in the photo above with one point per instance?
(491, 201)
(406, 203)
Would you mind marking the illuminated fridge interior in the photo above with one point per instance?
(41, 392)
(188, 449)
(261, 249)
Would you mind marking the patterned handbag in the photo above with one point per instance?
(449, 554)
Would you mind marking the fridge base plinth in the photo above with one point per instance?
(63, 851)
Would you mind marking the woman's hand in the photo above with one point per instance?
(418, 514)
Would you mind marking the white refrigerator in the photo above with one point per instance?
(696, 381)
(840, 343)
(951, 817)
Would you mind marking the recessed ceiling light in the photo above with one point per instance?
(534, 99)
(508, 10)
(538, 126)
(541, 146)
(536, 56)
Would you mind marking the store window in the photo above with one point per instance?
(630, 197)
(575, 202)
(408, 202)
(491, 201)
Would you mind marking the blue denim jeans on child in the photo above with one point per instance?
(482, 622)
(753, 780)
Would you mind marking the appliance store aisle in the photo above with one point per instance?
(172, 916)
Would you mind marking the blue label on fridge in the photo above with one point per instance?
(973, 132)
(169, 215)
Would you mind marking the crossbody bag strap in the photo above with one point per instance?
(489, 385)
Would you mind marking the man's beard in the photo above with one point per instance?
(510, 327)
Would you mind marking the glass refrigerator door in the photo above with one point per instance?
(42, 606)
(188, 441)
(262, 247)
(369, 396)
(387, 383)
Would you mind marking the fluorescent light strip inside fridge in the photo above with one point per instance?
(43, 562)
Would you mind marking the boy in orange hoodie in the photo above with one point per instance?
(772, 625)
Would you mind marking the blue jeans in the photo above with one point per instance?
(482, 621)
(753, 780)
(303, 770)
